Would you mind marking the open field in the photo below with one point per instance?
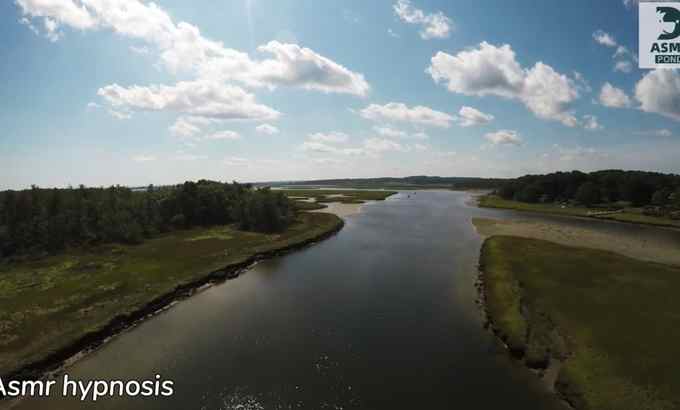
(337, 195)
(652, 248)
(613, 318)
(51, 303)
(631, 215)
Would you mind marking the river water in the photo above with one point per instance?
(380, 316)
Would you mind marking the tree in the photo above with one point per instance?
(588, 194)
(660, 197)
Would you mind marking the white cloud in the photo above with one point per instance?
(223, 135)
(659, 92)
(504, 137)
(267, 129)
(93, 105)
(491, 70)
(590, 123)
(420, 136)
(621, 51)
(120, 115)
(183, 156)
(611, 96)
(664, 133)
(143, 158)
(378, 145)
(392, 33)
(141, 50)
(399, 112)
(434, 25)
(198, 98)
(182, 47)
(184, 127)
(390, 132)
(469, 117)
(604, 39)
(334, 137)
(623, 66)
(58, 12)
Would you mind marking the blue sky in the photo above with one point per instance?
(125, 91)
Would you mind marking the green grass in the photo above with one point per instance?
(630, 215)
(50, 303)
(615, 319)
(333, 195)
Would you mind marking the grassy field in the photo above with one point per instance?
(631, 215)
(614, 319)
(50, 303)
(338, 195)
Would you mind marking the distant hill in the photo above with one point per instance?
(412, 182)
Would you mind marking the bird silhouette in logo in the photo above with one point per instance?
(670, 15)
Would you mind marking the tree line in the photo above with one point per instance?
(36, 220)
(608, 188)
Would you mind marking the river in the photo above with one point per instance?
(380, 316)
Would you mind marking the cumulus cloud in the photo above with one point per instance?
(433, 25)
(198, 98)
(611, 96)
(623, 66)
(378, 145)
(184, 127)
(590, 123)
(604, 39)
(120, 115)
(267, 129)
(390, 132)
(469, 117)
(399, 112)
(492, 70)
(503, 137)
(658, 92)
(223, 135)
(182, 47)
(607, 40)
(331, 137)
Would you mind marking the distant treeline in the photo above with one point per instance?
(406, 182)
(636, 188)
(48, 220)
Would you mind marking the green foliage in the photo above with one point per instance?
(635, 187)
(38, 220)
(588, 194)
(616, 318)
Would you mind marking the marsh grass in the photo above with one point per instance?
(50, 303)
(614, 319)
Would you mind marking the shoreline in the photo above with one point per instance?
(546, 373)
(90, 341)
(598, 217)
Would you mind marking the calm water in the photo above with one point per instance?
(381, 316)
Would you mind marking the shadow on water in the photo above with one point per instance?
(380, 316)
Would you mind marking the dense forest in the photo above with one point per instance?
(36, 220)
(610, 188)
(412, 182)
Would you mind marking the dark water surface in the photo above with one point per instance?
(380, 316)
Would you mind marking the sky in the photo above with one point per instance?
(132, 92)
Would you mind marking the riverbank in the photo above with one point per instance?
(648, 248)
(56, 307)
(608, 319)
(632, 215)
